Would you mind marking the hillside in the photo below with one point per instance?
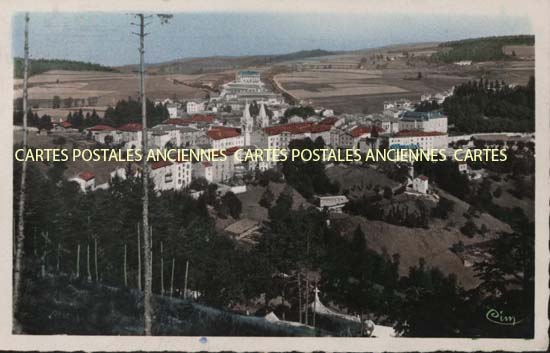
(219, 63)
(38, 66)
(481, 49)
(61, 305)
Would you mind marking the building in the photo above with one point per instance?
(104, 134)
(86, 181)
(193, 107)
(332, 203)
(420, 184)
(425, 121)
(173, 110)
(167, 175)
(222, 137)
(205, 170)
(411, 139)
(248, 76)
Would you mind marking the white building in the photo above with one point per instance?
(248, 76)
(425, 121)
(420, 184)
(332, 203)
(222, 137)
(411, 139)
(172, 110)
(104, 134)
(193, 107)
(86, 181)
(170, 176)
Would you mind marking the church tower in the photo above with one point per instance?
(263, 117)
(247, 124)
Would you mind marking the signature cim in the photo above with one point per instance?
(500, 318)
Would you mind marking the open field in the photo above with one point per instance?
(359, 82)
(107, 86)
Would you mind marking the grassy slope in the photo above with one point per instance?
(481, 49)
(42, 65)
(59, 305)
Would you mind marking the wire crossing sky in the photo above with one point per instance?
(105, 37)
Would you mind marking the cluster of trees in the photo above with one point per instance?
(302, 111)
(37, 66)
(94, 237)
(129, 111)
(80, 121)
(308, 177)
(480, 49)
(43, 122)
(484, 106)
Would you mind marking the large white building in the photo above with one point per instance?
(222, 137)
(167, 175)
(193, 107)
(411, 139)
(425, 121)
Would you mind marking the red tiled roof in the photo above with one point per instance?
(65, 124)
(231, 150)
(222, 132)
(206, 164)
(177, 121)
(295, 128)
(321, 128)
(160, 164)
(86, 176)
(331, 120)
(419, 133)
(132, 127)
(423, 177)
(360, 130)
(101, 128)
(199, 118)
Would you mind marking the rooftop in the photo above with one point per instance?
(421, 116)
(418, 133)
(222, 132)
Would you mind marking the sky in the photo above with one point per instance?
(105, 37)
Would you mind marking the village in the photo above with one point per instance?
(205, 127)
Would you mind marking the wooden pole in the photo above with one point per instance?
(19, 249)
(125, 266)
(315, 294)
(185, 282)
(78, 261)
(139, 258)
(307, 299)
(88, 262)
(172, 278)
(161, 269)
(299, 298)
(95, 260)
(58, 257)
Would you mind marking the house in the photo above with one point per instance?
(131, 132)
(243, 228)
(104, 134)
(420, 184)
(463, 167)
(86, 181)
(361, 132)
(172, 110)
(332, 203)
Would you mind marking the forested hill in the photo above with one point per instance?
(42, 65)
(480, 49)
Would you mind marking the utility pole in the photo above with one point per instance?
(147, 298)
(148, 272)
(19, 252)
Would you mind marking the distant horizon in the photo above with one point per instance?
(106, 39)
